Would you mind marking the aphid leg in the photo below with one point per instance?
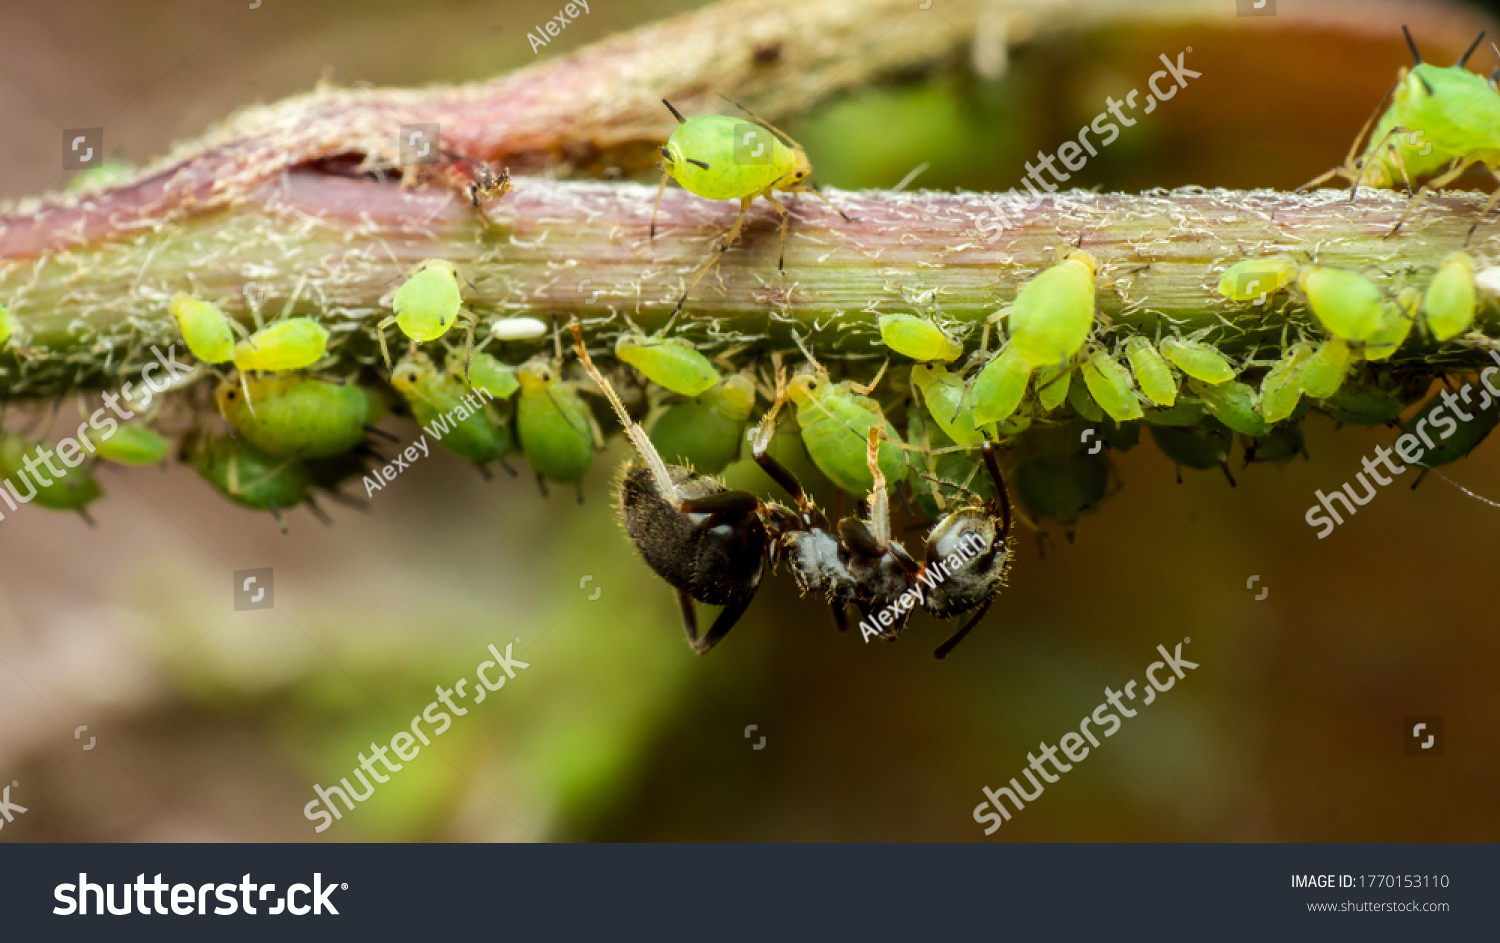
(1364, 165)
(540, 483)
(579, 486)
(1489, 205)
(280, 521)
(319, 513)
(786, 218)
(505, 465)
(665, 176)
(1436, 183)
(1353, 148)
(956, 637)
(633, 431)
(385, 352)
(87, 519)
(866, 389)
(718, 251)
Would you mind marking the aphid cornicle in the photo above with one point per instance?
(426, 307)
(1254, 279)
(836, 419)
(1152, 374)
(299, 416)
(1197, 359)
(669, 362)
(1448, 306)
(705, 433)
(439, 401)
(1346, 303)
(74, 490)
(1054, 311)
(555, 426)
(134, 443)
(918, 338)
(724, 158)
(205, 329)
(287, 344)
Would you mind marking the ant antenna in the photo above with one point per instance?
(633, 431)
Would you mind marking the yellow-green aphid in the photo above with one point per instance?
(486, 373)
(1461, 436)
(1324, 372)
(1233, 404)
(426, 306)
(704, 434)
(1051, 385)
(1198, 360)
(669, 362)
(918, 338)
(288, 344)
(1054, 312)
(205, 328)
(1365, 404)
(1254, 279)
(836, 419)
(1346, 303)
(943, 392)
(1152, 374)
(1000, 385)
(133, 443)
(555, 425)
(1109, 383)
(1083, 403)
(1281, 388)
(299, 416)
(449, 411)
(1448, 306)
(246, 475)
(1398, 320)
(724, 158)
(74, 490)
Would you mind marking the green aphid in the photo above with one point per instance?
(426, 306)
(134, 443)
(1365, 404)
(1347, 304)
(1449, 304)
(836, 419)
(75, 490)
(486, 373)
(1203, 446)
(1281, 387)
(1083, 402)
(205, 329)
(957, 469)
(1324, 372)
(1186, 412)
(111, 172)
(1110, 385)
(705, 434)
(298, 416)
(1054, 312)
(1399, 318)
(1152, 374)
(555, 426)
(1452, 437)
(1256, 279)
(1198, 360)
(246, 475)
(1062, 488)
(669, 362)
(1051, 385)
(1233, 404)
(943, 393)
(461, 420)
(1000, 386)
(1279, 446)
(288, 344)
(918, 338)
(1454, 109)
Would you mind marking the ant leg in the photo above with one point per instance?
(723, 502)
(857, 536)
(840, 617)
(1002, 497)
(956, 637)
(689, 617)
(726, 620)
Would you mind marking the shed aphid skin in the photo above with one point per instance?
(1053, 312)
(519, 329)
(426, 306)
(999, 387)
(74, 490)
(207, 331)
(1281, 387)
(918, 338)
(1152, 374)
(249, 476)
(555, 426)
(1197, 359)
(705, 433)
(1110, 385)
(1233, 404)
(724, 158)
(1257, 279)
(298, 416)
(1346, 303)
(943, 393)
(1448, 306)
(451, 414)
(1324, 372)
(134, 443)
(670, 362)
(836, 419)
(287, 344)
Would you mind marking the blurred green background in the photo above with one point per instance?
(213, 724)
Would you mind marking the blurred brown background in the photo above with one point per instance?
(214, 725)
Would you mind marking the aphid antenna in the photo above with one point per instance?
(784, 138)
(806, 351)
(633, 431)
